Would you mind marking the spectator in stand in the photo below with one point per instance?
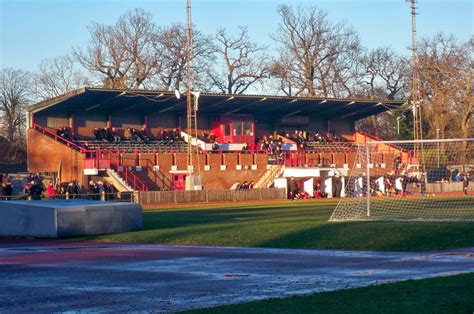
(128, 134)
(213, 136)
(37, 178)
(143, 135)
(205, 137)
(64, 133)
(97, 134)
(7, 187)
(6, 179)
(51, 191)
(103, 135)
(246, 147)
(27, 188)
(336, 137)
(109, 136)
(251, 184)
(319, 137)
(115, 136)
(164, 135)
(215, 146)
(36, 190)
(73, 189)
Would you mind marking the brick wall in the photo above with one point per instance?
(45, 153)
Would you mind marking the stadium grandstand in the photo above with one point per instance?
(135, 139)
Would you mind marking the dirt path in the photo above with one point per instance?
(57, 275)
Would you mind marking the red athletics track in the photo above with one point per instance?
(59, 275)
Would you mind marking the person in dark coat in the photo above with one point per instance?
(336, 186)
(293, 188)
(35, 191)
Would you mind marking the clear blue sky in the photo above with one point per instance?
(32, 30)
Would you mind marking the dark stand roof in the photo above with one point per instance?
(262, 107)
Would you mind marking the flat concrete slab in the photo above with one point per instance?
(67, 218)
(55, 275)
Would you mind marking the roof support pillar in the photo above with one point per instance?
(71, 124)
(329, 130)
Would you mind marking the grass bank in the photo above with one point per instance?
(454, 294)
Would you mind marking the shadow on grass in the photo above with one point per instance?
(291, 225)
(382, 236)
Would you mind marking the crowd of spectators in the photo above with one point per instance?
(244, 186)
(274, 146)
(130, 135)
(34, 186)
(208, 137)
(64, 132)
(302, 137)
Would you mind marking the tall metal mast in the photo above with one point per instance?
(415, 93)
(191, 97)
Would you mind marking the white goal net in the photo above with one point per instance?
(429, 180)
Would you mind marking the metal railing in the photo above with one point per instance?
(118, 197)
(129, 177)
(59, 138)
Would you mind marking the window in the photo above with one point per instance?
(247, 128)
(226, 129)
(238, 128)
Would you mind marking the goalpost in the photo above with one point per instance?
(429, 180)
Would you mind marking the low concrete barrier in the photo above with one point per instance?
(67, 218)
(205, 196)
(447, 187)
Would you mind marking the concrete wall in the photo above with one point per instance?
(67, 218)
(447, 187)
(182, 197)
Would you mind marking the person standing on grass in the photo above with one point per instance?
(337, 185)
(423, 186)
(293, 187)
(465, 182)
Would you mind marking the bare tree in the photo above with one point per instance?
(383, 74)
(321, 52)
(281, 70)
(445, 67)
(122, 54)
(244, 63)
(138, 34)
(57, 76)
(14, 96)
(171, 67)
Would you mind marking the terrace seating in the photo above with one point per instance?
(159, 146)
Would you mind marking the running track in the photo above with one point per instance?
(57, 275)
